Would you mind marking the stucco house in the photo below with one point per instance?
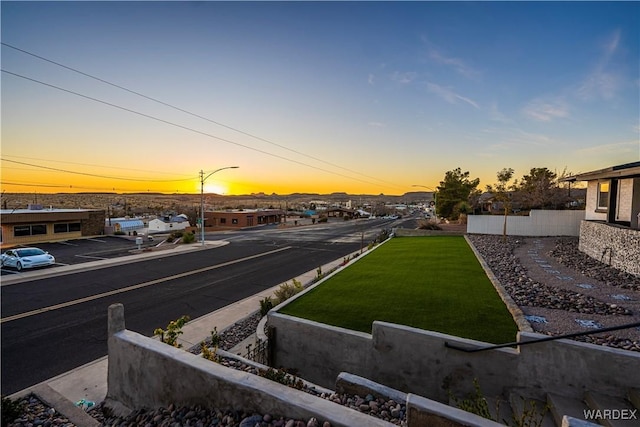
(38, 224)
(610, 231)
(168, 224)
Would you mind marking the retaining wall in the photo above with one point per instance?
(538, 223)
(146, 373)
(417, 361)
(610, 244)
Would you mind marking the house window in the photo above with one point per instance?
(603, 196)
(66, 227)
(29, 230)
(234, 221)
(223, 220)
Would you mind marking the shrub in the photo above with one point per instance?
(188, 238)
(286, 291)
(11, 409)
(281, 376)
(174, 328)
(265, 305)
(425, 224)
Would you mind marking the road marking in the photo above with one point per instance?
(134, 287)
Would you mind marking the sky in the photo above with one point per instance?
(313, 97)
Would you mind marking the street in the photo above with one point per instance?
(53, 324)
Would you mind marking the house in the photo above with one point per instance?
(124, 225)
(611, 229)
(239, 218)
(168, 224)
(38, 225)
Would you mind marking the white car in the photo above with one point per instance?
(27, 258)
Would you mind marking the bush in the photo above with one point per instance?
(188, 238)
(11, 409)
(286, 291)
(265, 305)
(424, 224)
(174, 328)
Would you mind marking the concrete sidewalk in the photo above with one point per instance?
(89, 382)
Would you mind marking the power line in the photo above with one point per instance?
(89, 164)
(93, 174)
(80, 187)
(184, 127)
(191, 113)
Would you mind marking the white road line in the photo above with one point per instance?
(134, 287)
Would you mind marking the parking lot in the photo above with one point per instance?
(84, 250)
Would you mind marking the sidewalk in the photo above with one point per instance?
(89, 382)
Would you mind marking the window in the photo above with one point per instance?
(66, 227)
(29, 230)
(21, 230)
(234, 220)
(38, 229)
(223, 220)
(603, 196)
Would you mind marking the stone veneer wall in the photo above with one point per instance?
(617, 246)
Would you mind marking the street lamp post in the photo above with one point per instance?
(202, 180)
(435, 198)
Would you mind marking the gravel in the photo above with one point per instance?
(560, 290)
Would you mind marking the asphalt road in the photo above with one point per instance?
(53, 324)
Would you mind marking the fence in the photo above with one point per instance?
(538, 223)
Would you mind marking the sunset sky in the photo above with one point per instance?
(357, 97)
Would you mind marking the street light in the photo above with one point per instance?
(202, 180)
(435, 198)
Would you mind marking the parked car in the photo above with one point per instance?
(26, 258)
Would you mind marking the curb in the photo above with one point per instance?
(514, 309)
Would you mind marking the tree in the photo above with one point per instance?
(540, 190)
(501, 193)
(455, 188)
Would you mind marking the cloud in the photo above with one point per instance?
(457, 64)
(620, 148)
(449, 95)
(497, 116)
(546, 110)
(371, 78)
(511, 137)
(404, 78)
(376, 124)
(602, 82)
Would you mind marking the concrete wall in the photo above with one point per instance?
(538, 223)
(146, 373)
(417, 361)
(617, 246)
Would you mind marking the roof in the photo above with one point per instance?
(42, 211)
(627, 170)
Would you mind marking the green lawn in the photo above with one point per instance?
(432, 283)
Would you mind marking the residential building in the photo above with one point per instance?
(239, 218)
(38, 225)
(611, 230)
(168, 224)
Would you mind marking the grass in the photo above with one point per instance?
(433, 283)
